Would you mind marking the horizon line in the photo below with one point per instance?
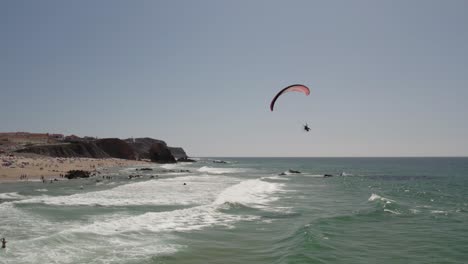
(329, 156)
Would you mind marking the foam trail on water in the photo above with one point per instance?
(11, 196)
(76, 248)
(194, 218)
(122, 237)
(391, 211)
(375, 197)
(212, 170)
(312, 175)
(249, 192)
(172, 191)
(171, 166)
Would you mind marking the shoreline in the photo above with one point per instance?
(27, 167)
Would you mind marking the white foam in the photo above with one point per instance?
(391, 211)
(375, 197)
(250, 192)
(211, 170)
(170, 166)
(119, 238)
(24, 223)
(70, 247)
(313, 175)
(171, 191)
(41, 190)
(11, 196)
(189, 219)
(128, 169)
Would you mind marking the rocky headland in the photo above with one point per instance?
(26, 156)
(130, 149)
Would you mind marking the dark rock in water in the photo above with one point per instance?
(219, 161)
(161, 154)
(289, 172)
(73, 174)
(186, 160)
(145, 169)
(174, 171)
(327, 175)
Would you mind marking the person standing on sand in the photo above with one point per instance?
(4, 243)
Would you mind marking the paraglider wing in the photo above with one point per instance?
(292, 88)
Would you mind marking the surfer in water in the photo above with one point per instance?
(3, 243)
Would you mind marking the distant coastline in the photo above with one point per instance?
(25, 155)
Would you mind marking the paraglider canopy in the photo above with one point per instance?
(292, 88)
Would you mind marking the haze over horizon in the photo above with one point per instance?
(386, 78)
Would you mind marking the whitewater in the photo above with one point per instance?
(246, 210)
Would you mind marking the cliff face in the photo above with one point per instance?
(142, 146)
(139, 148)
(178, 153)
(116, 148)
(83, 149)
(155, 150)
(160, 153)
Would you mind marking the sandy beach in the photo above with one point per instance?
(33, 167)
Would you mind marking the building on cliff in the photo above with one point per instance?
(26, 138)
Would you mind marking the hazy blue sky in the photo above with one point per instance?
(387, 78)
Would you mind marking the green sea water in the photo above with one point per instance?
(373, 210)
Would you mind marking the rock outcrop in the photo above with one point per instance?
(132, 149)
(186, 160)
(178, 153)
(159, 152)
(71, 150)
(142, 146)
(116, 148)
(73, 174)
(155, 150)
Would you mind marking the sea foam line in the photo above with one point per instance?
(12, 196)
(212, 170)
(375, 197)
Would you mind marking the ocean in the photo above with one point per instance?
(246, 210)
